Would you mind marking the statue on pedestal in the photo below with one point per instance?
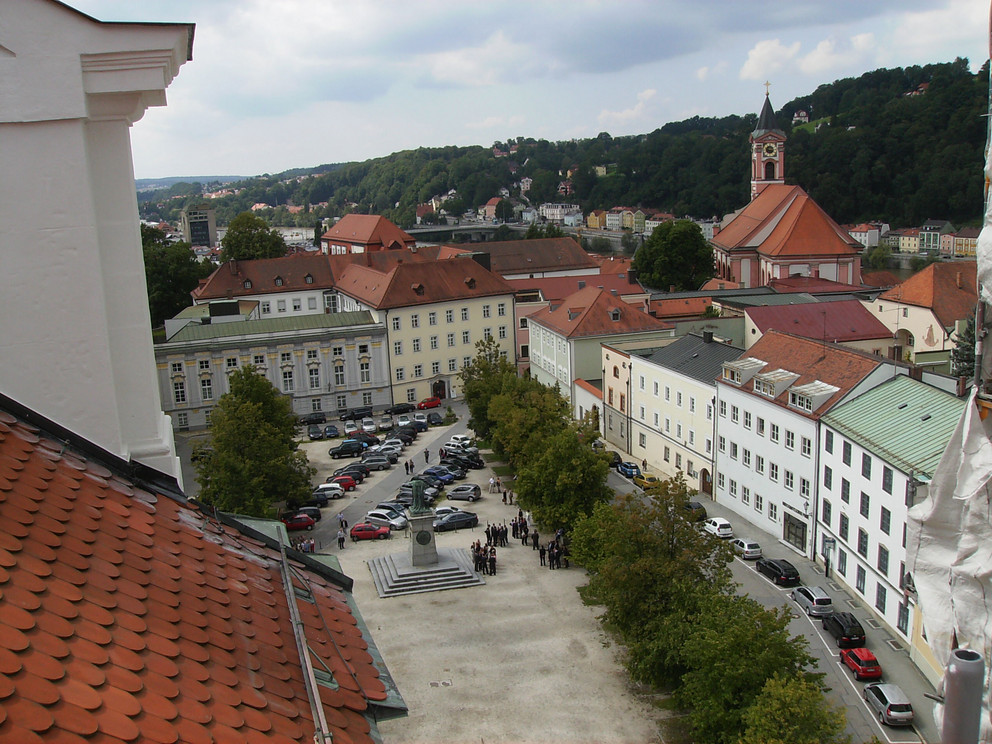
(419, 505)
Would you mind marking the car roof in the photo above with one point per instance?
(893, 693)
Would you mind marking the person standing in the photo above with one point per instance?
(533, 539)
(492, 562)
(427, 455)
(341, 537)
(543, 553)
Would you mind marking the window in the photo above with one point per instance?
(177, 368)
(790, 440)
(733, 488)
(416, 346)
(418, 370)
(759, 502)
(747, 419)
(337, 351)
(342, 401)
(804, 488)
(733, 450)
(311, 355)
(885, 521)
(640, 381)
(723, 407)
(315, 404)
(642, 413)
(709, 412)
(434, 342)
(722, 443)
(286, 357)
(668, 425)
(397, 323)
(432, 318)
(902, 622)
(690, 469)
(182, 419)
(397, 348)
(692, 405)
(773, 472)
(365, 371)
(735, 414)
(258, 360)
(466, 361)
(846, 456)
(656, 419)
(668, 457)
(865, 504)
(487, 333)
(281, 306)
(179, 391)
(411, 395)
(464, 313)
(746, 458)
(759, 464)
(501, 309)
(656, 386)
(502, 332)
(523, 323)
(773, 511)
(451, 339)
(880, 598)
(415, 321)
(366, 399)
(678, 398)
(862, 543)
(887, 479)
(287, 380)
(828, 477)
(807, 447)
(866, 465)
(720, 480)
(435, 368)
(678, 460)
(204, 365)
(760, 426)
(668, 393)
(883, 560)
(642, 439)
(859, 581)
(845, 491)
(828, 441)
(789, 481)
(452, 365)
(678, 430)
(297, 304)
(314, 375)
(466, 337)
(311, 303)
(745, 495)
(845, 526)
(339, 375)
(449, 317)
(773, 433)
(206, 416)
(485, 311)
(524, 350)
(266, 307)
(842, 562)
(826, 515)
(692, 437)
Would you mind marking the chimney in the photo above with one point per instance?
(958, 279)
(632, 276)
(234, 266)
(671, 287)
(707, 337)
(614, 293)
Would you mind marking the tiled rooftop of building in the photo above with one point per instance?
(128, 615)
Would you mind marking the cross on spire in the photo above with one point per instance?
(767, 86)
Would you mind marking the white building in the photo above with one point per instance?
(556, 212)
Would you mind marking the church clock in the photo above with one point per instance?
(770, 149)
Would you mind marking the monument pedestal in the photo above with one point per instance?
(423, 548)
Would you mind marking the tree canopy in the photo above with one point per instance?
(171, 273)
(963, 353)
(675, 254)
(255, 460)
(249, 236)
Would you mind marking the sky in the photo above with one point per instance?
(280, 84)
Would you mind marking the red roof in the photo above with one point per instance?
(811, 285)
(262, 274)
(681, 307)
(130, 616)
(837, 322)
(370, 230)
(949, 288)
(596, 312)
(557, 288)
(784, 221)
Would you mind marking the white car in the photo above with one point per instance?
(749, 550)
(383, 518)
(453, 446)
(368, 426)
(394, 442)
(462, 439)
(329, 490)
(718, 526)
(404, 420)
(420, 416)
(442, 510)
(350, 427)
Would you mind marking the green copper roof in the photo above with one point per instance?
(905, 422)
(315, 321)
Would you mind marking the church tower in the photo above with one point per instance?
(767, 151)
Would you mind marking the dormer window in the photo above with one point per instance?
(470, 282)
(247, 284)
(615, 314)
(308, 279)
(732, 375)
(418, 289)
(803, 402)
(764, 387)
(279, 281)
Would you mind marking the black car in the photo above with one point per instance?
(435, 419)
(453, 470)
(472, 462)
(314, 417)
(431, 480)
(317, 499)
(404, 436)
(845, 629)
(363, 436)
(455, 521)
(399, 408)
(347, 448)
(614, 458)
(315, 432)
(353, 467)
(779, 570)
(358, 475)
(406, 497)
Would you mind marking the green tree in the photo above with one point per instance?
(482, 379)
(793, 710)
(249, 236)
(526, 413)
(675, 254)
(877, 257)
(963, 353)
(255, 460)
(504, 210)
(629, 242)
(172, 271)
(600, 244)
(756, 643)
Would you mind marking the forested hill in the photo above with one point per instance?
(870, 151)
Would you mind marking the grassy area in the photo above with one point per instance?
(503, 471)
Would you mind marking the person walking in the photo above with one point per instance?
(427, 455)
(533, 539)
(341, 537)
(543, 553)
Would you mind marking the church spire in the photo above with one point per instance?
(766, 119)
(767, 150)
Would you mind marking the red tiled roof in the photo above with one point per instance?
(589, 311)
(535, 256)
(613, 264)
(589, 388)
(811, 360)
(784, 221)
(229, 279)
(810, 285)
(128, 616)
(421, 283)
(879, 279)
(718, 284)
(837, 322)
(947, 288)
(681, 307)
(368, 230)
(556, 288)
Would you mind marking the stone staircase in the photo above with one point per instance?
(395, 575)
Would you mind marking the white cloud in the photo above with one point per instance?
(829, 55)
(496, 60)
(702, 73)
(766, 57)
(617, 118)
(944, 33)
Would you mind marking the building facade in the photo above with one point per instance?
(198, 225)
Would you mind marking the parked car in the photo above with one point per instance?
(646, 481)
(364, 436)
(368, 425)
(383, 518)
(456, 521)
(420, 424)
(845, 629)
(629, 469)
(404, 420)
(405, 494)
(421, 417)
(813, 600)
(455, 472)
(295, 522)
(404, 436)
(356, 414)
(470, 462)
(465, 492)
(432, 481)
(317, 499)
(331, 432)
(442, 510)
(329, 490)
(396, 441)
(749, 550)
(400, 408)
(311, 511)
(779, 570)
(890, 703)
(463, 439)
(379, 461)
(460, 447)
(369, 531)
(432, 402)
(358, 475)
(386, 423)
(314, 417)
(442, 475)
(347, 448)
(434, 419)
(396, 507)
(359, 467)
(347, 482)
(314, 432)
(614, 458)
(350, 427)
(862, 662)
(695, 512)
(718, 526)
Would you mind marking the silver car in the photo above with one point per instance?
(813, 600)
(890, 704)
(383, 518)
(749, 550)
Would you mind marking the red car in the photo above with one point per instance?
(429, 403)
(369, 531)
(862, 662)
(345, 481)
(298, 522)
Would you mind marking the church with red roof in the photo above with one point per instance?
(782, 232)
